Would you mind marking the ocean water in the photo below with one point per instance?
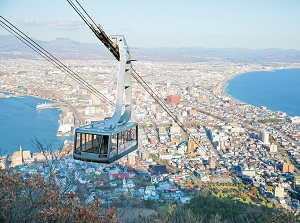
(21, 123)
(278, 90)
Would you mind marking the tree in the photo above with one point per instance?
(284, 216)
(174, 214)
(52, 156)
(32, 199)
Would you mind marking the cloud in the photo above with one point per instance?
(29, 22)
(66, 24)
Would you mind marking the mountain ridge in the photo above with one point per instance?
(69, 49)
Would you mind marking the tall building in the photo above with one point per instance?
(20, 157)
(279, 192)
(131, 159)
(212, 163)
(264, 137)
(273, 148)
(17, 158)
(287, 167)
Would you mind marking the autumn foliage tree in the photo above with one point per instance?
(32, 199)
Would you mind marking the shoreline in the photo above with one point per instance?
(63, 142)
(223, 85)
(62, 107)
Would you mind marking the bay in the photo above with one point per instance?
(278, 90)
(21, 124)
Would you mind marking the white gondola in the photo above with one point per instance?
(108, 140)
(105, 146)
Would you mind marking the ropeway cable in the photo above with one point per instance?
(37, 48)
(46, 55)
(97, 30)
(80, 13)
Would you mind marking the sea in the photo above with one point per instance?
(278, 90)
(21, 124)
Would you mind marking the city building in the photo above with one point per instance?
(18, 157)
(287, 167)
(3, 162)
(279, 192)
(175, 129)
(212, 163)
(294, 120)
(131, 159)
(173, 99)
(273, 148)
(264, 137)
(248, 172)
(192, 146)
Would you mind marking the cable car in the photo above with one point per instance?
(112, 138)
(105, 145)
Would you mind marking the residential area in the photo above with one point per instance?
(228, 142)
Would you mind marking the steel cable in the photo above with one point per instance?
(49, 57)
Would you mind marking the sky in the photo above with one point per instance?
(254, 24)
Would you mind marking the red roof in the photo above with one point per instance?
(120, 175)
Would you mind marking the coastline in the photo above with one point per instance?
(224, 84)
(57, 142)
(57, 103)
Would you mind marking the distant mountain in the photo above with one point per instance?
(227, 54)
(9, 43)
(63, 48)
(11, 47)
